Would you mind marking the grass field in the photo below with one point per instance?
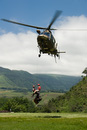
(43, 121)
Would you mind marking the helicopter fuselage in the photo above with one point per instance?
(47, 43)
(45, 39)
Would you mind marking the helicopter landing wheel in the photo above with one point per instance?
(57, 55)
(39, 55)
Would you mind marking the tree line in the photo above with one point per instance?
(16, 104)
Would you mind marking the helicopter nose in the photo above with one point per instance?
(42, 38)
(42, 41)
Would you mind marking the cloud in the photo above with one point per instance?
(74, 42)
(20, 51)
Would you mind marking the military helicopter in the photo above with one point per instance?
(46, 41)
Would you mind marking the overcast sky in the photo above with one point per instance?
(18, 45)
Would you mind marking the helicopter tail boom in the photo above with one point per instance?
(61, 52)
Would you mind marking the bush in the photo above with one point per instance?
(19, 104)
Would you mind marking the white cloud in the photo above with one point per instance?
(19, 51)
(74, 42)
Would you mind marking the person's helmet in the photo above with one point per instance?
(33, 86)
(38, 84)
(39, 88)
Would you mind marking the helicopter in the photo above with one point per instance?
(45, 39)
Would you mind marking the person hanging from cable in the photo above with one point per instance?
(36, 92)
(33, 89)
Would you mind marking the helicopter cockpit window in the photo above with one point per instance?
(46, 33)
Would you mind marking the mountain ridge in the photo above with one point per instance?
(14, 79)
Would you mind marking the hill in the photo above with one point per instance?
(75, 100)
(16, 80)
(23, 81)
(55, 82)
(77, 97)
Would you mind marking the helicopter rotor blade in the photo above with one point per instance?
(57, 14)
(24, 24)
(43, 27)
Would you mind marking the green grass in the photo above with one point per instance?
(9, 93)
(43, 121)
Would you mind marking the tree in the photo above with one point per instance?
(85, 71)
(19, 104)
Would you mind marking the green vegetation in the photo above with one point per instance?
(19, 105)
(22, 81)
(85, 71)
(16, 100)
(24, 121)
(46, 96)
(48, 114)
(25, 104)
(55, 82)
(74, 100)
